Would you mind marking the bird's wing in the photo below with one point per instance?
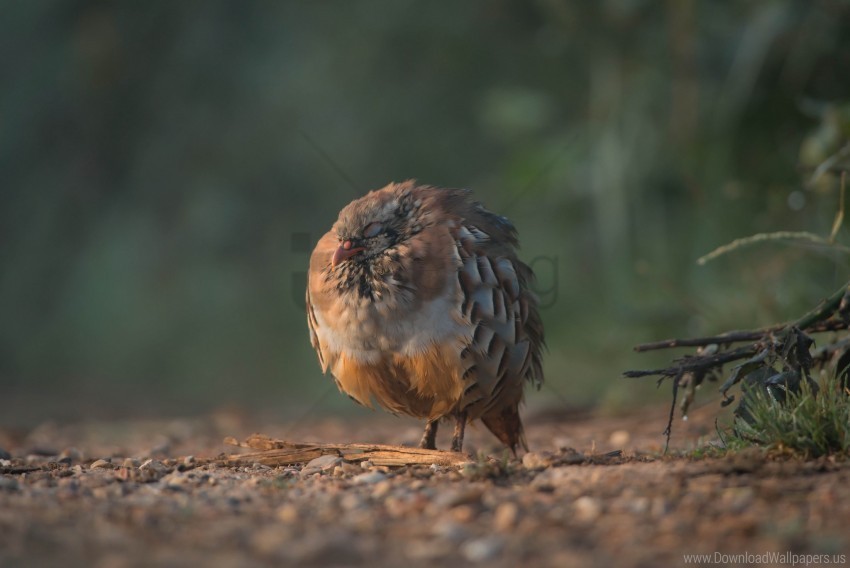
(319, 262)
(313, 325)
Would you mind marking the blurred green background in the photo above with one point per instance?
(167, 167)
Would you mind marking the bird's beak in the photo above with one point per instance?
(345, 251)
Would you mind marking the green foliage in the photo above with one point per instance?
(167, 167)
(811, 422)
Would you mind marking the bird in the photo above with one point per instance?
(416, 300)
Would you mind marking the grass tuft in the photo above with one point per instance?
(809, 422)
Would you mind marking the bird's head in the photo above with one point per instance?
(369, 226)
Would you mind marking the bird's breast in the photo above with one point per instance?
(366, 329)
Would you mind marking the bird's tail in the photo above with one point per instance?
(506, 425)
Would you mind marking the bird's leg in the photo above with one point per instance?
(429, 438)
(457, 437)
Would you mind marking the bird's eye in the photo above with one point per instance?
(372, 229)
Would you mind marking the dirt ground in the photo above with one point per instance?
(144, 493)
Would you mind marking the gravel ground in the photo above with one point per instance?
(148, 493)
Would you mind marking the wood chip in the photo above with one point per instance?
(273, 453)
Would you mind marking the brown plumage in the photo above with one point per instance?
(416, 300)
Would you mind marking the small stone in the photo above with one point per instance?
(619, 438)
(368, 478)
(638, 505)
(505, 517)
(481, 549)
(659, 507)
(366, 464)
(153, 465)
(178, 480)
(287, 513)
(450, 531)
(351, 501)
(73, 454)
(537, 460)
(131, 463)
(453, 498)
(8, 483)
(587, 508)
(321, 464)
(101, 464)
(189, 460)
(382, 488)
(464, 513)
(152, 470)
(123, 473)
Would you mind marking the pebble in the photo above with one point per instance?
(453, 498)
(287, 513)
(619, 438)
(464, 513)
(638, 505)
(537, 460)
(153, 465)
(124, 473)
(152, 470)
(351, 501)
(382, 488)
(369, 478)
(179, 480)
(481, 549)
(587, 508)
(450, 531)
(505, 517)
(71, 453)
(321, 464)
(101, 464)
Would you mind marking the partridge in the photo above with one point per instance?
(416, 300)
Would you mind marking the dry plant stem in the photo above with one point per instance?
(817, 316)
(698, 362)
(730, 337)
(669, 430)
